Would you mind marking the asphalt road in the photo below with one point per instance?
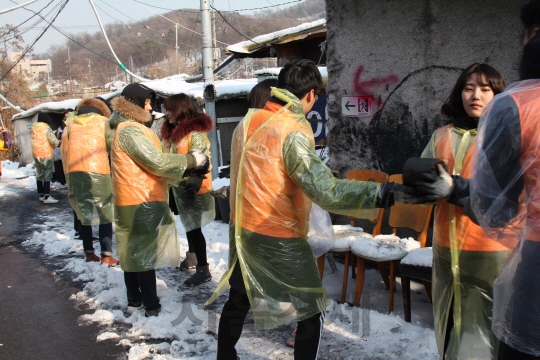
(37, 319)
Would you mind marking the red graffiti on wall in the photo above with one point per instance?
(361, 88)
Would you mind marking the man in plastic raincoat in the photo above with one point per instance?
(43, 142)
(275, 176)
(502, 196)
(89, 176)
(145, 229)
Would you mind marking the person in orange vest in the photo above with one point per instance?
(465, 261)
(185, 130)
(5, 142)
(89, 176)
(275, 176)
(43, 142)
(502, 196)
(145, 229)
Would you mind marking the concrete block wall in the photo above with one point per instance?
(407, 55)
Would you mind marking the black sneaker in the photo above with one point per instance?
(154, 312)
(134, 306)
(201, 276)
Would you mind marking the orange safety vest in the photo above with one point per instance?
(88, 150)
(64, 149)
(182, 147)
(41, 148)
(469, 236)
(271, 203)
(132, 184)
(527, 103)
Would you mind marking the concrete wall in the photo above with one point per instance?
(407, 55)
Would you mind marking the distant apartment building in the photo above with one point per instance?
(35, 70)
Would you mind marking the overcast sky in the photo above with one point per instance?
(79, 16)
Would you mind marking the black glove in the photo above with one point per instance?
(439, 187)
(407, 195)
(385, 196)
(221, 193)
(191, 193)
(198, 172)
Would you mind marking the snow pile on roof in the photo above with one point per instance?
(419, 257)
(275, 71)
(224, 88)
(115, 85)
(55, 106)
(242, 47)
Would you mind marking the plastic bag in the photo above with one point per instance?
(321, 235)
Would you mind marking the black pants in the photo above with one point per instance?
(197, 244)
(76, 222)
(105, 238)
(235, 310)
(43, 187)
(507, 353)
(142, 286)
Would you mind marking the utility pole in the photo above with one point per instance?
(176, 47)
(208, 75)
(215, 49)
(90, 67)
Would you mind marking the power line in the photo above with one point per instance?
(21, 24)
(240, 10)
(33, 26)
(223, 17)
(35, 41)
(140, 34)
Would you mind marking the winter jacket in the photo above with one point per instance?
(43, 142)
(465, 262)
(190, 135)
(89, 173)
(275, 175)
(145, 230)
(505, 200)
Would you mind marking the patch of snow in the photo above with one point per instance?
(243, 46)
(383, 247)
(275, 71)
(419, 257)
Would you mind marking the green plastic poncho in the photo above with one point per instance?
(43, 142)
(465, 261)
(202, 211)
(89, 176)
(275, 176)
(145, 229)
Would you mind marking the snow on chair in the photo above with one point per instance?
(390, 249)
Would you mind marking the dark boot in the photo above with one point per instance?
(202, 275)
(190, 262)
(91, 257)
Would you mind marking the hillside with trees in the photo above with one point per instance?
(149, 44)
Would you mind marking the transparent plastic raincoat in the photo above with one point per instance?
(465, 261)
(275, 176)
(64, 146)
(90, 186)
(505, 199)
(202, 211)
(43, 142)
(145, 230)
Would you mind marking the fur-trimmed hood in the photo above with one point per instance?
(176, 132)
(96, 103)
(128, 109)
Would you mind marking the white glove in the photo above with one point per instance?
(200, 157)
(438, 186)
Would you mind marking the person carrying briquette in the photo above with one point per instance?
(465, 260)
(89, 176)
(145, 229)
(275, 176)
(502, 196)
(185, 130)
(43, 142)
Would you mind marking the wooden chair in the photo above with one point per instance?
(345, 249)
(415, 217)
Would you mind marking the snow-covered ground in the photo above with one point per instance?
(186, 330)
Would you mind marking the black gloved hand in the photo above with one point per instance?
(407, 195)
(385, 196)
(198, 172)
(191, 193)
(221, 193)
